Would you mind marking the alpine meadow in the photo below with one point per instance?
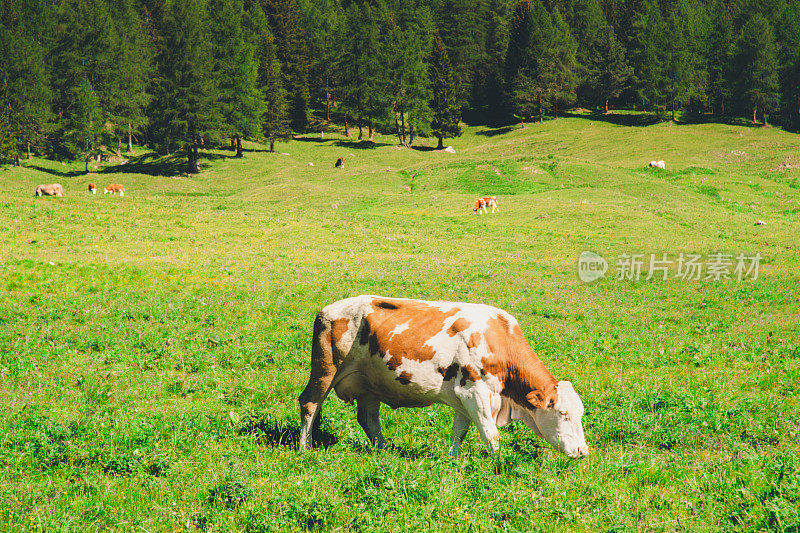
(184, 185)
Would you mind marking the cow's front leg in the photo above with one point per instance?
(461, 424)
(369, 418)
(477, 400)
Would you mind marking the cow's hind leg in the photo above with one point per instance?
(369, 419)
(461, 424)
(323, 371)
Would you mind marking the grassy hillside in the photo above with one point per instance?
(152, 347)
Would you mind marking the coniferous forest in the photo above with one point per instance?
(80, 76)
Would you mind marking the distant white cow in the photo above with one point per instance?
(657, 164)
(50, 189)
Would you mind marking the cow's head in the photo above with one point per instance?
(557, 419)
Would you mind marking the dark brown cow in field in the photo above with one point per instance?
(339, 163)
(413, 353)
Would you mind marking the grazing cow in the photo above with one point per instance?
(339, 162)
(50, 189)
(657, 164)
(114, 188)
(413, 353)
(93, 188)
(483, 202)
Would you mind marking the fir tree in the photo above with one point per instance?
(759, 66)
(236, 69)
(407, 71)
(444, 101)
(132, 72)
(648, 56)
(25, 91)
(290, 44)
(608, 73)
(186, 111)
(275, 120)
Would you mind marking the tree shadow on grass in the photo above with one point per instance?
(496, 131)
(423, 148)
(626, 119)
(56, 172)
(283, 432)
(360, 145)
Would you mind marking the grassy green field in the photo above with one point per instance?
(152, 347)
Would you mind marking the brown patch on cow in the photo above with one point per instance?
(458, 326)
(474, 340)
(512, 361)
(404, 378)
(469, 374)
(450, 372)
(423, 320)
(338, 328)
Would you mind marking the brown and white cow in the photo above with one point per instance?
(114, 188)
(484, 201)
(93, 188)
(49, 189)
(339, 162)
(413, 353)
(657, 164)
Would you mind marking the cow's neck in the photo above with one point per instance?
(526, 373)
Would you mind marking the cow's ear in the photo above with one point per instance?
(540, 399)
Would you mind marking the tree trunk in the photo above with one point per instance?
(346, 129)
(673, 111)
(86, 161)
(130, 138)
(16, 160)
(327, 100)
(403, 126)
(360, 129)
(410, 134)
(397, 128)
(272, 145)
(29, 151)
(606, 108)
(440, 146)
(119, 146)
(765, 118)
(239, 151)
(754, 114)
(370, 126)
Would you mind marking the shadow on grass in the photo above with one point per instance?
(360, 145)
(56, 172)
(636, 120)
(423, 148)
(497, 131)
(283, 432)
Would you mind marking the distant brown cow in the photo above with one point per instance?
(339, 162)
(50, 189)
(93, 188)
(114, 188)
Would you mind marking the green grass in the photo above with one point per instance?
(152, 347)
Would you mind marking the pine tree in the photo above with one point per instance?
(444, 101)
(461, 26)
(132, 71)
(275, 119)
(788, 38)
(720, 58)
(558, 67)
(759, 66)
(8, 145)
(290, 44)
(408, 31)
(25, 93)
(489, 84)
(186, 112)
(648, 56)
(608, 73)
(236, 71)
(324, 24)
